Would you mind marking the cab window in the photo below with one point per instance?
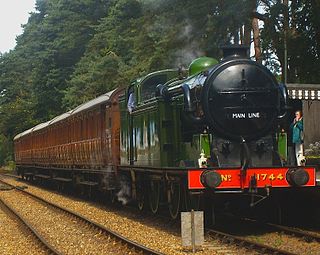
(148, 87)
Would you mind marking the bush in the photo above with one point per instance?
(10, 166)
(313, 150)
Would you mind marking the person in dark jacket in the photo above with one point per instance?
(297, 137)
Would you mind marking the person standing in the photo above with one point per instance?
(297, 137)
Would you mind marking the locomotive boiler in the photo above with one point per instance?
(172, 139)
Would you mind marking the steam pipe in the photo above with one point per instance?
(247, 159)
(168, 93)
(188, 107)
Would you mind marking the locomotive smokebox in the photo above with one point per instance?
(240, 97)
(236, 51)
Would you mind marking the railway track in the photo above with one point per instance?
(224, 242)
(290, 240)
(96, 228)
(26, 224)
(16, 231)
(307, 236)
(248, 244)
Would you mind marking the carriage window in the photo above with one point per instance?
(148, 88)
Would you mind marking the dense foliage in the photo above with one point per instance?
(73, 51)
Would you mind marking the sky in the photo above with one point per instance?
(13, 14)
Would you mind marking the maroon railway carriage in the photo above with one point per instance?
(85, 139)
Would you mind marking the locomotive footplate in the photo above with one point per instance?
(232, 178)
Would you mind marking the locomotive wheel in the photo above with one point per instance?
(174, 199)
(154, 195)
(140, 203)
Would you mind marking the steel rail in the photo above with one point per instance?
(285, 229)
(296, 232)
(11, 176)
(292, 231)
(138, 247)
(248, 244)
(28, 225)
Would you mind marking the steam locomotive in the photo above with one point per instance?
(169, 139)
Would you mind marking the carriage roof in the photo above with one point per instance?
(83, 107)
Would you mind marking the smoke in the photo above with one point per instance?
(184, 56)
(185, 33)
(153, 4)
(107, 179)
(124, 195)
(191, 47)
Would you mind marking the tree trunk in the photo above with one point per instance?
(256, 34)
(256, 40)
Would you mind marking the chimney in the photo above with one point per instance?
(235, 51)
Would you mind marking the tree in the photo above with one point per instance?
(73, 51)
(297, 23)
(34, 74)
